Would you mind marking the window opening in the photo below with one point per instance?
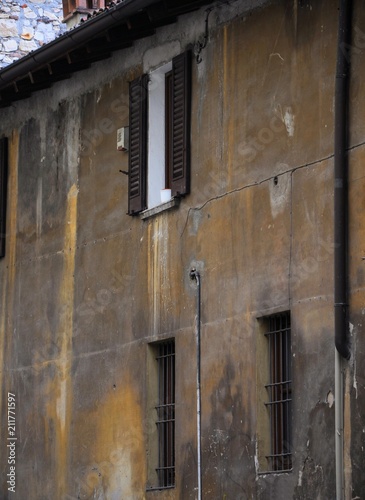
(166, 414)
(159, 136)
(159, 132)
(280, 392)
(168, 128)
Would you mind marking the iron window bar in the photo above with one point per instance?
(165, 409)
(277, 401)
(280, 391)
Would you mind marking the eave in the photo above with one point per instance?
(114, 29)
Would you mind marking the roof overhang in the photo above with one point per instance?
(113, 29)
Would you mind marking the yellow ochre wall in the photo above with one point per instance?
(85, 288)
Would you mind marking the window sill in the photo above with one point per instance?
(168, 205)
(160, 488)
(274, 472)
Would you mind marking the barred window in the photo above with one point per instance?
(165, 409)
(279, 391)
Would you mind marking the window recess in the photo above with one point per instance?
(161, 415)
(159, 150)
(279, 390)
(165, 409)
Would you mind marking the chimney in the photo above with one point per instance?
(76, 10)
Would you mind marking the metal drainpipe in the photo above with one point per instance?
(194, 275)
(341, 232)
(341, 191)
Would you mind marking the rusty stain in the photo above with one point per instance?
(115, 451)
(60, 388)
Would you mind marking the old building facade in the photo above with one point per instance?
(167, 310)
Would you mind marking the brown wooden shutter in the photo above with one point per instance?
(3, 192)
(137, 145)
(181, 104)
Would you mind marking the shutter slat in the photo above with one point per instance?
(137, 145)
(180, 119)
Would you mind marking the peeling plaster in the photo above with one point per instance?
(256, 457)
(156, 56)
(280, 192)
(289, 121)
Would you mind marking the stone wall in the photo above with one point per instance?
(26, 26)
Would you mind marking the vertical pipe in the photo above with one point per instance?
(342, 351)
(339, 423)
(340, 188)
(194, 275)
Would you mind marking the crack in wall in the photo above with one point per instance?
(254, 184)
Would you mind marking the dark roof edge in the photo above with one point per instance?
(72, 39)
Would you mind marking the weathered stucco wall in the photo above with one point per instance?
(85, 288)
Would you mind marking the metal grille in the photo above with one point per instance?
(166, 414)
(280, 392)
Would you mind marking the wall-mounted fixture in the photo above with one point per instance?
(200, 45)
(122, 138)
